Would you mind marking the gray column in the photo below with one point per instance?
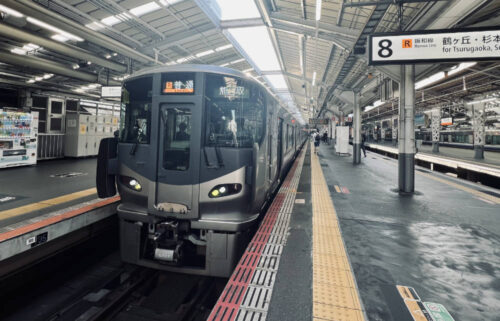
(407, 130)
(435, 128)
(394, 132)
(478, 120)
(356, 140)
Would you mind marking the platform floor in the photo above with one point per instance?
(443, 242)
(490, 158)
(29, 191)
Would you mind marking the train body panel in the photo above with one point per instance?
(201, 150)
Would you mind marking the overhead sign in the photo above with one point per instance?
(318, 121)
(430, 46)
(447, 121)
(111, 91)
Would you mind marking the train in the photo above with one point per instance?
(200, 152)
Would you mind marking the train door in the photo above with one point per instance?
(280, 145)
(177, 185)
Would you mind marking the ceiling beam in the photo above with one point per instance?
(374, 3)
(239, 23)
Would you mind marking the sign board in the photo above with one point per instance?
(318, 121)
(429, 46)
(111, 91)
(446, 121)
(438, 312)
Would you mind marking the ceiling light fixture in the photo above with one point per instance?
(54, 29)
(59, 38)
(10, 11)
(221, 48)
(429, 80)
(18, 51)
(314, 78)
(318, 10)
(205, 53)
(461, 67)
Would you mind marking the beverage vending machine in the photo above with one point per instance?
(18, 138)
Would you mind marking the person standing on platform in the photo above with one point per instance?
(363, 138)
(317, 139)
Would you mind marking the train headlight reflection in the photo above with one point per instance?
(224, 190)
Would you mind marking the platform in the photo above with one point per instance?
(341, 244)
(31, 191)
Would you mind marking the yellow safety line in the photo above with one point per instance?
(46, 203)
(337, 188)
(472, 191)
(335, 295)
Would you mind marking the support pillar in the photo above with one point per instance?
(356, 140)
(394, 124)
(406, 158)
(435, 128)
(478, 120)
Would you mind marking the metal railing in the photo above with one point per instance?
(50, 146)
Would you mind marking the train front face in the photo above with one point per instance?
(185, 153)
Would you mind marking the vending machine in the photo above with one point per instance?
(18, 138)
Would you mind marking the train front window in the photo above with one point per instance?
(235, 112)
(176, 124)
(135, 115)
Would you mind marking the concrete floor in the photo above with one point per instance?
(443, 241)
(31, 184)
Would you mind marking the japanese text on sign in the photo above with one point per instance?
(432, 46)
(178, 86)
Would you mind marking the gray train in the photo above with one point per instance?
(201, 150)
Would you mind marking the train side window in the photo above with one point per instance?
(135, 111)
(176, 138)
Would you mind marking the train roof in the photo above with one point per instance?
(190, 68)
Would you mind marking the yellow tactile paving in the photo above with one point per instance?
(335, 296)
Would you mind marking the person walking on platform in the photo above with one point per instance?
(317, 139)
(363, 138)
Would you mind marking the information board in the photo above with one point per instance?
(429, 46)
(111, 91)
(318, 121)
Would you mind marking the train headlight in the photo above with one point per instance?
(224, 190)
(131, 183)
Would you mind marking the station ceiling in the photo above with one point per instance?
(75, 45)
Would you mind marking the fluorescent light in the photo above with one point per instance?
(224, 65)
(30, 47)
(257, 44)
(236, 61)
(482, 101)
(10, 11)
(169, 2)
(221, 48)
(248, 70)
(461, 67)
(38, 78)
(314, 78)
(377, 103)
(54, 29)
(205, 53)
(318, 10)
(108, 56)
(95, 26)
(59, 38)
(276, 81)
(181, 60)
(47, 76)
(145, 8)
(235, 10)
(31, 81)
(115, 54)
(432, 79)
(18, 51)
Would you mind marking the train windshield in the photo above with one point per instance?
(135, 116)
(235, 112)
